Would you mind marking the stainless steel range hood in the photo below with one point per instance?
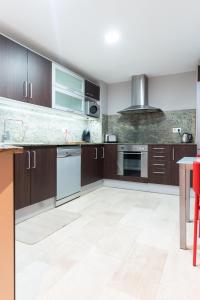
(139, 97)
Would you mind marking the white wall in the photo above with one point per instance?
(171, 92)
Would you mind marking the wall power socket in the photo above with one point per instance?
(176, 130)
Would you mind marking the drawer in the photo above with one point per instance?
(159, 173)
(158, 159)
(159, 151)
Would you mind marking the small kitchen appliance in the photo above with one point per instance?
(186, 138)
(110, 138)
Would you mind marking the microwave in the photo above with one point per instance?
(92, 108)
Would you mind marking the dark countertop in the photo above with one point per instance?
(82, 144)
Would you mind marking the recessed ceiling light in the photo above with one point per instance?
(112, 37)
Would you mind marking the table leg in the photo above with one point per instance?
(187, 174)
(182, 204)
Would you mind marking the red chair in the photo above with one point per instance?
(196, 188)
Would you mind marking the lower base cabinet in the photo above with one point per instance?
(163, 167)
(110, 161)
(92, 164)
(34, 176)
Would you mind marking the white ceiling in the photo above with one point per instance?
(156, 37)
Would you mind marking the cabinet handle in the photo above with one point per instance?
(158, 164)
(96, 155)
(158, 148)
(30, 90)
(29, 160)
(158, 156)
(34, 160)
(25, 89)
(158, 172)
(103, 152)
(173, 154)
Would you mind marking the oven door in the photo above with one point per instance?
(134, 164)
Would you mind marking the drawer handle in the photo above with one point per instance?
(34, 159)
(158, 164)
(158, 156)
(158, 172)
(158, 148)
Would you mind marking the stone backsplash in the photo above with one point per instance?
(31, 123)
(151, 127)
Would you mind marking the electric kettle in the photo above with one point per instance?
(186, 137)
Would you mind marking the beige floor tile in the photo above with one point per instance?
(124, 246)
(140, 275)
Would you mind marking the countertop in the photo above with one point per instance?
(188, 160)
(10, 149)
(79, 143)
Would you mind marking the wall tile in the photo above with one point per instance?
(44, 125)
(150, 127)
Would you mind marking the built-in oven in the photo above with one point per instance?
(132, 160)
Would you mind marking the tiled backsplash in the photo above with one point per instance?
(151, 127)
(44, 125)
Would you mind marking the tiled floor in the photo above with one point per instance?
(125, 246)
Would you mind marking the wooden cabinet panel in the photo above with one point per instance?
(179, 151)
(110, 161)
(39, 80)
(13, 69)
(43, 174)
(22, 179)
(92, 90)
(163, 167)
(34, 176)
(100, 167)
(24, 76)
(89, 165)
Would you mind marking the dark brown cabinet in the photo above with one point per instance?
(92, 90)
(163, 167)
(13, 66)
(35, 176)
(101, 155)
(43, 174)
(159, 164)
(24, 76)
(92, 163)
(39, 80)
(110, 161)
(178, 152)
(22, 175)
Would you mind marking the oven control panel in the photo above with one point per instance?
(132, 148)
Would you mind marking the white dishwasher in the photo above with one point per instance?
(68, 174)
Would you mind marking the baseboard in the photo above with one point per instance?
(145, 187)
(33, 210)
(91, 187)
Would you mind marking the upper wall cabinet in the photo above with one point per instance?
(39, 80)
(13, 66)
(68, 90)
(92, 90)
(24, 75)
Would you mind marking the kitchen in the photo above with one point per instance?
(92, 179)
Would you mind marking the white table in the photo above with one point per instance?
(185, 168)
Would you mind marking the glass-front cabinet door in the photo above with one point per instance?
(67, 101)
(65, 79)
(68, 90)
